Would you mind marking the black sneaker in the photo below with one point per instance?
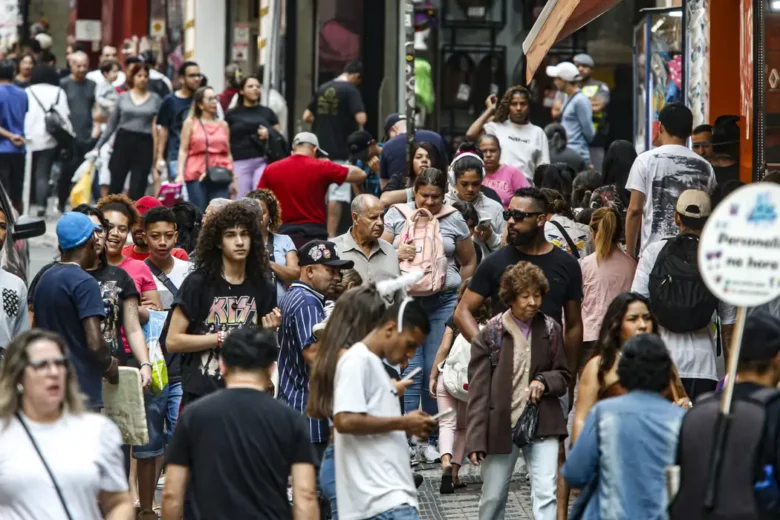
(418, 480)
(446, 488)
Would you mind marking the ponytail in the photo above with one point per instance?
(606, 225)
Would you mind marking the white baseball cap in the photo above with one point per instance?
(565, 70)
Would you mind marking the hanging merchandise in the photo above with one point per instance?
(491, 79)
(458, 76)
(423, 84)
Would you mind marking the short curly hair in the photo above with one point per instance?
(522, 276)
(645, 364)
(274, 209)
(122, 204)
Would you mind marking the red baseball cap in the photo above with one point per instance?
(146, 203)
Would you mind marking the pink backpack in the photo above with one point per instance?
(422, 231)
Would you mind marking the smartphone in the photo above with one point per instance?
(484, 222)
(413, 372)
(442, 415)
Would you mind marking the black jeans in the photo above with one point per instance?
(78, 150)
(696, 387)
(42, 162)
(134, 153)
(12, 176)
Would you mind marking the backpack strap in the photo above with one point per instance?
(568, 239)
(157, 272)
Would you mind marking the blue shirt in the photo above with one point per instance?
(302, 308)
(13, 108)
(173, 112)
(577, 119)
(393, 158)
(283, 244)
(66, 295)
(626, 443)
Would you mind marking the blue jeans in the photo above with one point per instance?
(328, 480)
(439, 308)
(174, 402)
(155, 423)
(202, 192)
(404, 512)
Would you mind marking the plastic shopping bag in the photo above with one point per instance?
(152, 330)
(82, 191)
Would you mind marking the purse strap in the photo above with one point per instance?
(568, 239)
(206, 136)
(45, 465)
(158, 273)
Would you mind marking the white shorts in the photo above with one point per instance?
(340, 192)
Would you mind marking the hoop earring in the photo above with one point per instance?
(19, 388)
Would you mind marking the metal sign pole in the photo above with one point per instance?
(409, 72)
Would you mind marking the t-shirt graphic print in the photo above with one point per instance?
(227, 313)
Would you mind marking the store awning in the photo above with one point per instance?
(559, 19)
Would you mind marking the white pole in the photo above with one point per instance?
(27, 180)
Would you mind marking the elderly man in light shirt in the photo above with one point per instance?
(375, 259)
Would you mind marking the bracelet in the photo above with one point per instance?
(220, 338)
(146, 364)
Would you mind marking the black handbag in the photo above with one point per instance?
(216, 174)
(524, 431)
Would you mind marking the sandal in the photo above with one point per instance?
(446, 487)
(460, 485)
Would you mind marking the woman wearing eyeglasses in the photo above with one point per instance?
(205, 162)
(56, 460)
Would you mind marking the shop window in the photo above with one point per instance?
(340, 25)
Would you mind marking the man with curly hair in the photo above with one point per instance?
(229, 289)
(523, 145)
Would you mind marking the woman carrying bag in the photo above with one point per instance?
(205, 162)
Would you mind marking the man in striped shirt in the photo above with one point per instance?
(303, 308)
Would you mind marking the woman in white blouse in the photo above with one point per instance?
(56, 460)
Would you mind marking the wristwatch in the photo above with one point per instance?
(542, 380)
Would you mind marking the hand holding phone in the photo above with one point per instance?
(413, 372)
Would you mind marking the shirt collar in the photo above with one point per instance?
(350, 244)
(306, 287)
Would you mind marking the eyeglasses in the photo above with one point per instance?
(518, 215)
(43, 364)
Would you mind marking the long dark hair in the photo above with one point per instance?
(209, 249)
(608, 344)
(188, 219)
(433, 155)
(502, 110)
(242, 85)
(618, 160)
(356, 314)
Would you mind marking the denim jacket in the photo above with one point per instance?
(626, 444)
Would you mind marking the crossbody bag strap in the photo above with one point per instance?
(206, 137)
(45, 465)
(157, 272)
(568, 101)
(568, 239)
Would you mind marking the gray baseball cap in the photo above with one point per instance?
(585, 60)
(309, 138)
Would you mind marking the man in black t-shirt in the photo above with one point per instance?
(237, 447)
(526, 242)
(228, 290)
(335, 111)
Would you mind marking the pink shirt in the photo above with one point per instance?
(600, 285)
(144, 281)
(506, 181)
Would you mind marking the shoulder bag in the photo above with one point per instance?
(45, 465)
(216, 174)
(157, 272)
(569, 241)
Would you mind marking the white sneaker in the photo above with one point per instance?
(413, 455)
(429, 453)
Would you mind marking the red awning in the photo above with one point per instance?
(559, 19)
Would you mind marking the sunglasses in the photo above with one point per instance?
(518, 215)
(40, 366)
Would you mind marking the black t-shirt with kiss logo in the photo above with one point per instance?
(214, 305)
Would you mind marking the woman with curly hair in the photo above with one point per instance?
(531, 370)
(282, 253)
(229, 288)
(627, 316)
(523, 144)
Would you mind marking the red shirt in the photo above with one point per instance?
(130, 252)
(301, 183)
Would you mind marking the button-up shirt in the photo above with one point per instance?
(380, 264)
(302, 308)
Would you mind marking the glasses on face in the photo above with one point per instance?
(518, 215)
(47, 364)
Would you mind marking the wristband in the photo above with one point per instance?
(146, 364)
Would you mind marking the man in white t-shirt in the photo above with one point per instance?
(694, 353)
(373, 476)
(523, 145)
(109, 52)
(660, 175)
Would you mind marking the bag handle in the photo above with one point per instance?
(45, 465)
(568, 239)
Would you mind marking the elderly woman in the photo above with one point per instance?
(57, 460)
(517, 359)
(430, 186)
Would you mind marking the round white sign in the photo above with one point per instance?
(739, 249)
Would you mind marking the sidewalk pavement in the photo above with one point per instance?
(48, 239)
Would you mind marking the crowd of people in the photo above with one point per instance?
(510, 301)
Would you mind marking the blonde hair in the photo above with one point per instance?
(12, 369)
(605, 223)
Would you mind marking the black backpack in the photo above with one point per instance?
(743, 491)
(55, 124)
(678, 296)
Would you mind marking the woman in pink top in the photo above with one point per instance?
(204, 138)
(605, 274)
(503, 178)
